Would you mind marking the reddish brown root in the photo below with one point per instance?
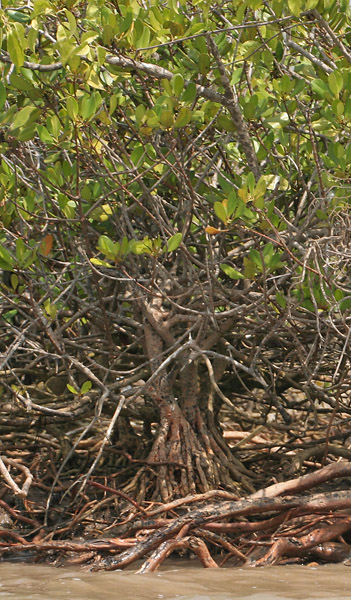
(293, 527)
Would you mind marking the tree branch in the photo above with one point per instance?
(235, 112)
(128, 64)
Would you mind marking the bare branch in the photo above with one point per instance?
(235, 112)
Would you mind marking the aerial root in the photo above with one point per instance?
(179, 469)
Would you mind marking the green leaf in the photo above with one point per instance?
(323, 216)
(256, 258)
(72, 21)
(189, 93)
(42, 7)
(286, 84)
(231, 272)
(137, 247)
(137, 154)
(167, 86)
(54, 126)
(156, 18)
(204, 64)
(167, 118)
(113, 104)
(20, 249)
(338, 295)
(275, 262)
(255, 4)
(335, 83)
(101, 263)
(72, 107)
(267, 252)
(249, 268)
(101, 55)
(139, 113)
(20, 83)
(67, 49)
(90, 104)
(249, 48)
(232, 203)
(50, 309)
(24, 117)
(28, 259)
(108, 247)
(220, 211)
(124, 246)
(174, 242)
(9, 315)
(44, 135)
(86, 387)
(18, 16)
(320, 87)
(27, 133)
(14, 281)
(251, 182)
(347, 109)
(126, 22)
(2, 95)
(226, 123)
(295, 7)
(279, 51)
(143, 40)
(145, 246)
(338, 107)
(178, 84)
(72, 389)
(250, 108)
(183, 117)
(15, 49)
(6, 259)
(281, 299)
(259, 192)
(345, 304)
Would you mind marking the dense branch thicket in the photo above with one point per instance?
(175, 250)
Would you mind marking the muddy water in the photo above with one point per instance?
(177, 582)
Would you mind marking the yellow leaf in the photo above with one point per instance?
(212, 230)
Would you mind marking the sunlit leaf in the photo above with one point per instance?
(24, 116)
(295, 6)
(72, 389)
(72, 107)
(15, 49)
(231, 272)
(86, 387)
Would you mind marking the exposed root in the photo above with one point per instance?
(183, 461)
(262, 529)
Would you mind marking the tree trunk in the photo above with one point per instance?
(188, 455)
